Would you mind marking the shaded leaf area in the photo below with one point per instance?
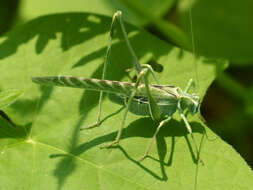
(8, 13)
(221, 28)
(30, 9)
(46, 144)
(7, 97)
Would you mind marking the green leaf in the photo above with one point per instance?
(7, 15)
(7, 97)
(30, 8)
(221, 28)
(249, 102)
(48, 151)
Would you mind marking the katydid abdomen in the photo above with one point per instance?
(165, 96)
(140, 106)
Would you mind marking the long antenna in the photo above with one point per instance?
(193, 45)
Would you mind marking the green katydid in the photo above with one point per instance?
(158, 101)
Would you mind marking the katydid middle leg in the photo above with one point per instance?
(161, 124)
(139, 77)
(117, 139)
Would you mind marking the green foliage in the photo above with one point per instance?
(30, 8)
(46, 150)
(8, 11)
(7, 97)
(221, 28)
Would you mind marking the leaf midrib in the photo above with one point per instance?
(31, 142)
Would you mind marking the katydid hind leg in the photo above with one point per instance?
(131, 78)
(144, 66)
(153, 107)
(154, 110)
(116, 16)
(106, 62)
(137, 65)
(150, 69)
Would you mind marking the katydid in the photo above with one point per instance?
(158, 101)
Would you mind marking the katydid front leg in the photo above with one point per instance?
(188, 127)
(188, 86)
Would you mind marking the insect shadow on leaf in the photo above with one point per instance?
(159, 102)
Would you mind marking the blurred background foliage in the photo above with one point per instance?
(222, 30)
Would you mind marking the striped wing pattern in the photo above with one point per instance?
(117, 87)
(159, 92)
